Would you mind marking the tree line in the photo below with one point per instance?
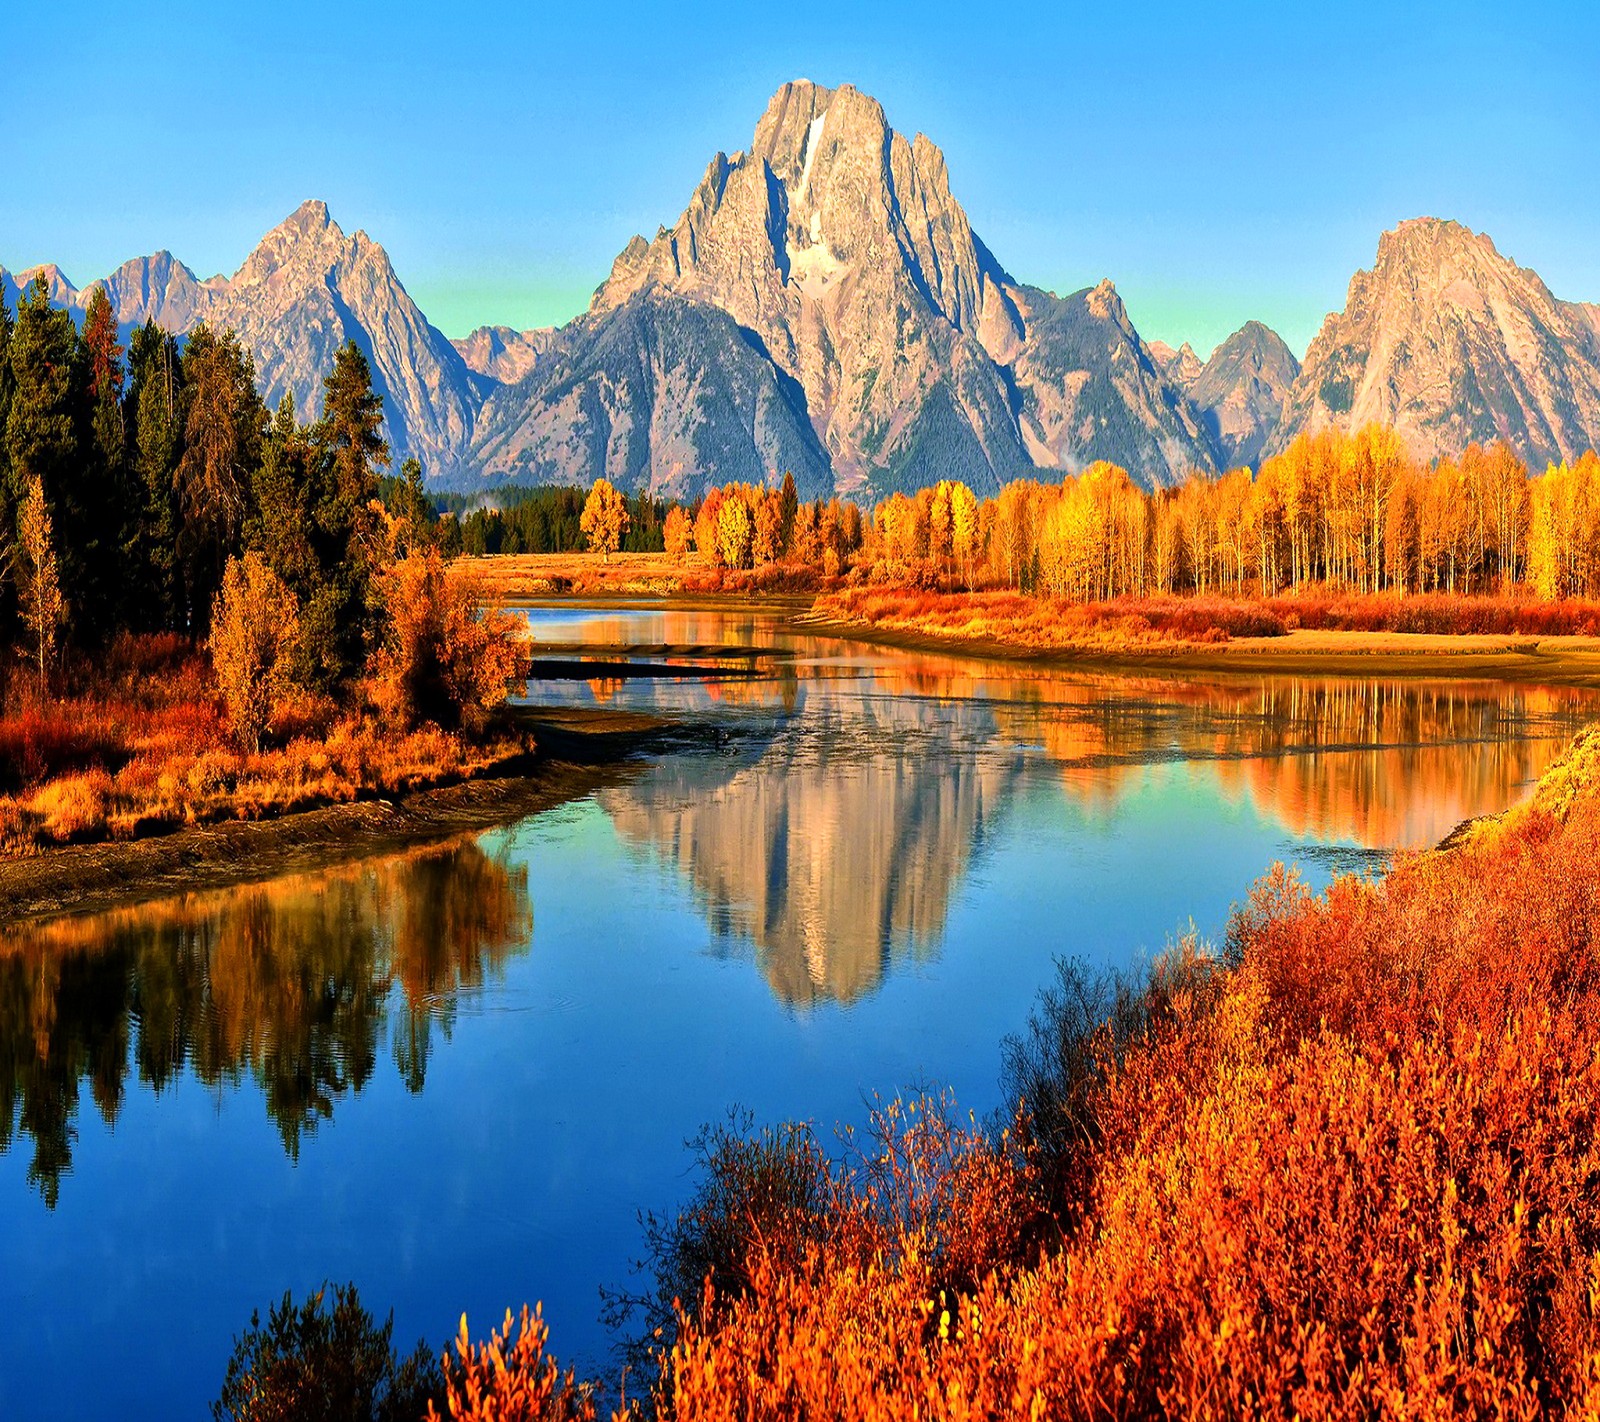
(1352, 510)
(132, 478)
(1347, 509)
(1340, 509)
(541, 519)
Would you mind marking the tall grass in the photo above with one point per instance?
(137, 743)
(1026, 620)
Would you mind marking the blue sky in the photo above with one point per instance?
(1218, 163)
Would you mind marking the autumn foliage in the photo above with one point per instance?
(254, 635)
(1159, 620)
(605, 518)
(444, 658)
(141, 742)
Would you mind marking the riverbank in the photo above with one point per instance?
(1091, 638)
(577, 752)
(1574, 660)
(1191, 635)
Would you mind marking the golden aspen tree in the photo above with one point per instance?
(735, 532)
(964, 528)
(604, 519)
(255, 629)
(44, 609)
(677, 533)
(705, 527)
(767, 543)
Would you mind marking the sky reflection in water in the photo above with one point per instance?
(850, 873)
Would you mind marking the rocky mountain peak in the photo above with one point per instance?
(1242, 390)
(836, 245)
(1104, 302)
(1180, 366)
(307, 237)
(58, 287)
(1422, 241)
(1452, 343)
(311, 216)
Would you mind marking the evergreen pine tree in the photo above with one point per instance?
(349, 437)
(223, 425)
(788, 508)
(152, 408)
(40, 432)
(93, 503)
(8, 500)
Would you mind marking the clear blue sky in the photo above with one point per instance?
(1218, 163)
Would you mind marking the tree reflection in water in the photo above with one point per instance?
(292, 984)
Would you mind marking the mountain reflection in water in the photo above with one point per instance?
(292, 983)
(854, 792)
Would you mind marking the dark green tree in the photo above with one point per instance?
(41, 434)
(789, 507)
(410, 504)
(41, 437)
(94, 504)
(349, 437)
(152, 408)
(8, 503)
(224, 423)
(351, 429)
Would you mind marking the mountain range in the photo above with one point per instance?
(823, 305)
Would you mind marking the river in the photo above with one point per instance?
(454, 1075)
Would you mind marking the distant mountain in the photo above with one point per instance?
(1451, 342)
(160, 289)
(660, 393)
(304, 291)
(1241, 391)
(1180, 366)
(836, 249)
(503, 354)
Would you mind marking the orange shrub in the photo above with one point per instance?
(139, 745)
(444, 657)
(509, 1378)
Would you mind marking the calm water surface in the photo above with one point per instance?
(453, 1075)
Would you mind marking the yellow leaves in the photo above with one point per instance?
(604, 519)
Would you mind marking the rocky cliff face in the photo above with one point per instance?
(1241, 390)
(306, 289)
(823, 305)
(1452, 342)
(659, 393)
(835, 245)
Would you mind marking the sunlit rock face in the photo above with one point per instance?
(832, 850)
(836, 248)
(502, 354)
(1453, 343)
